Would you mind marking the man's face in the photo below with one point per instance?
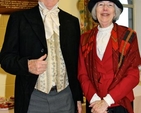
(49, 3)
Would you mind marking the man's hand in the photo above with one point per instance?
(37, 66)
(79, 106)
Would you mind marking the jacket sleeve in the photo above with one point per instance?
(9, 57)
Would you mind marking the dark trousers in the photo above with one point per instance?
(117, 109)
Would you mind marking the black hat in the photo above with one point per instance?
(93, 2)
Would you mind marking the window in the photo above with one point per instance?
(126, 18)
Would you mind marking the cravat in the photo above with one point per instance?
(51, 21)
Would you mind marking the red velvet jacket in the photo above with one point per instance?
(125, 62)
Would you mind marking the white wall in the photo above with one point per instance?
(70, 6)
(137, 22)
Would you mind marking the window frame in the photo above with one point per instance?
(132, 7)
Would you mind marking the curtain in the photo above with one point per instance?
(86, 21)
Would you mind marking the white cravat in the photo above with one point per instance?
(51, 20)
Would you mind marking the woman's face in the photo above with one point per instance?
(105, 12)
(49, 3)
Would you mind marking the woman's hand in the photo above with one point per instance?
(99, 106)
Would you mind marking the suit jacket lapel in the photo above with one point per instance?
(36, 22)
(63, 23)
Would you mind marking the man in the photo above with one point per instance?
(41, 49)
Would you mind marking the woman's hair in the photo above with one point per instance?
(116, 17)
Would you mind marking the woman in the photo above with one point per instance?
(108, 60)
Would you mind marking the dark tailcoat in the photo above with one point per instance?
(25, 40)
